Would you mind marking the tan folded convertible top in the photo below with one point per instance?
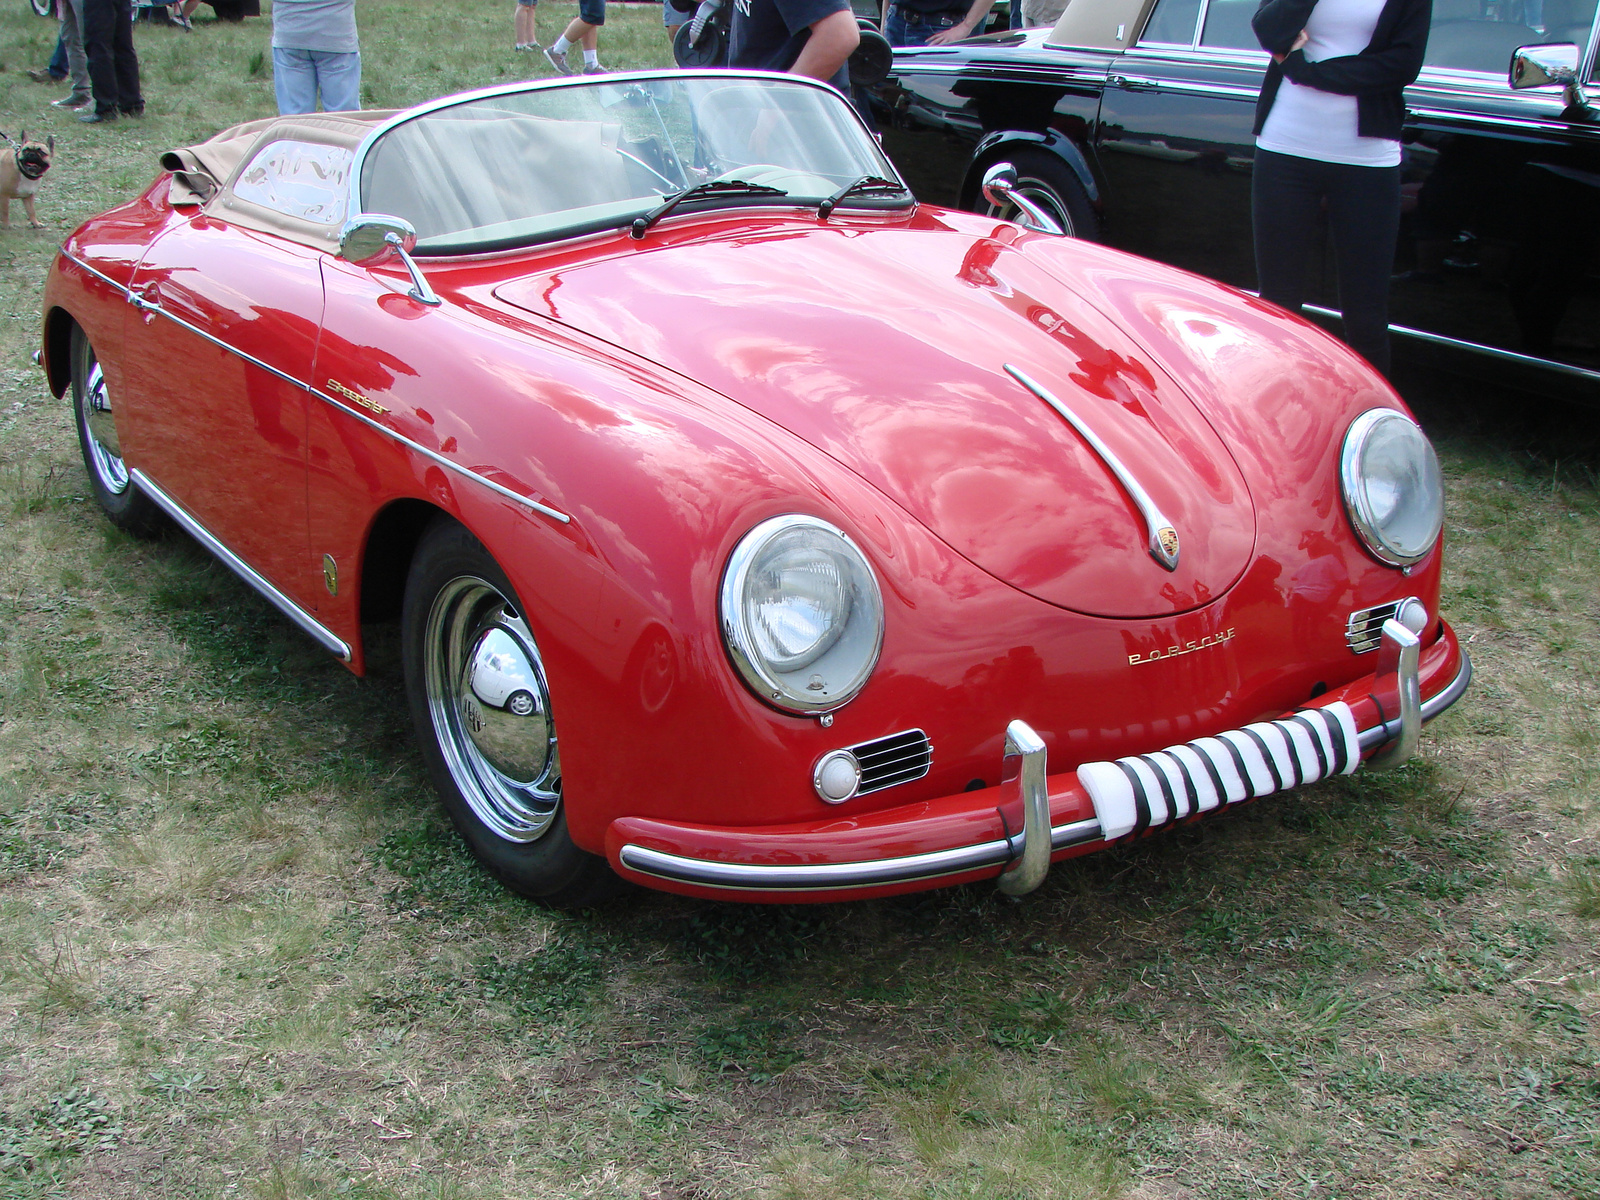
(208, 174)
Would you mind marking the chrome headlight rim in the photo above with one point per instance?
(769, 685)
(1357, 500)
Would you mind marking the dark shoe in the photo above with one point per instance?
(40, 75)
(97, 118)
(72, 102)
(136, 111)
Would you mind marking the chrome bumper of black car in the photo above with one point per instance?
(1028, 851)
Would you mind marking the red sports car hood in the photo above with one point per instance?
(886, 349)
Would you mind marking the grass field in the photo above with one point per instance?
(241, 955)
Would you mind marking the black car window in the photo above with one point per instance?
(1480, 35)
(1172, 23)
(1228, 25)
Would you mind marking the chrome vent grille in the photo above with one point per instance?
(898, 758)
(1364, 630)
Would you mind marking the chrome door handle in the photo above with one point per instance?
(1131, 85)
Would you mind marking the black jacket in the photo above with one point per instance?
(1376, 77)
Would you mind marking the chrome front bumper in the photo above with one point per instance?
(1026, 854)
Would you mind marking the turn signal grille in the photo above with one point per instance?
(898, 758)
(1364, 630)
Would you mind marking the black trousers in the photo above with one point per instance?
(113, 62)
(1287, 194)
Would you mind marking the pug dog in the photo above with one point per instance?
(20, 173)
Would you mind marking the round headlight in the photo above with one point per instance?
(1392, 489)
(801, 614)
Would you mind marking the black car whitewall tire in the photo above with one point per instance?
(1050, 184)
(481, 707)
(43, 8)
(114, 490)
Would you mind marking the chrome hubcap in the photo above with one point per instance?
(100, 433)
(491, 709)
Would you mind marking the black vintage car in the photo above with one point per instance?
(1130, 122)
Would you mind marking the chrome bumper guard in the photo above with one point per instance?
(1026, 853)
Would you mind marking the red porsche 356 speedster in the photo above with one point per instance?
(756, 531)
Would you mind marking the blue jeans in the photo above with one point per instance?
(298, 75)
(908, 28)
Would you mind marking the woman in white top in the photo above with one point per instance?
(1328, 131)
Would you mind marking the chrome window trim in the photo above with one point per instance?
(431, 455)
(278, 599)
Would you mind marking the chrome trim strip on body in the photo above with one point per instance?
(914, 868)
(1440, 339)
(1155, 521)
(325, 636)
(1184, 87)
(148, 306)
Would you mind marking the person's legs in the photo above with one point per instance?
(1285, 194)
(99, 27)
(338, 78)
(57, 67)
(527, 37)
(77, 62)
(1364, 217)
(130, 99)
(294, 80)
(578, 32)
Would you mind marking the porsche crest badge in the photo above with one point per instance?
(1166, 543)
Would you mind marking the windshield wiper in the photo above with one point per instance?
(867, 183)
(711, 187)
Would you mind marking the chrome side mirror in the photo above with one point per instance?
(1000, 190)
(364, 240)
(1555, 63)
(368, 240)
(1539, 66)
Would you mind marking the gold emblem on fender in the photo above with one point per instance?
(1205, 643)
(330, 574)
(356, 397)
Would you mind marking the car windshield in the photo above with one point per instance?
(547, 161)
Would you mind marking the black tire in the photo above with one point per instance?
(711, 51)
(43, 8)
(485, 724)
(113, 487)
(1050, 184)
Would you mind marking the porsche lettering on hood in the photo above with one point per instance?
(913, 396)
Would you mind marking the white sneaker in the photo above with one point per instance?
(528, 46)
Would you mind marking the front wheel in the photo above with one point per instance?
(114, 490)
(481, 707)
(1050, 184)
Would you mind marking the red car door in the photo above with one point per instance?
(220, 365)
